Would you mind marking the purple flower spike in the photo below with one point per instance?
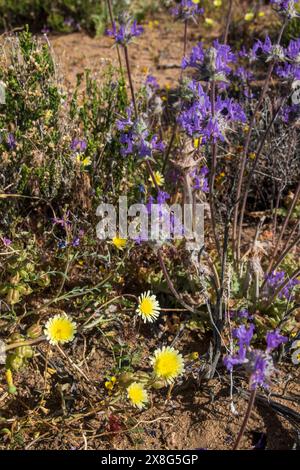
(187, 10)
(285, 8)
(275, 339)
(126, 32)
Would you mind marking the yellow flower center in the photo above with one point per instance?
(137, 394)
(61, 330)
(146, 307)
(167, 364)
(119, 243)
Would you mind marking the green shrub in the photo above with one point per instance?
(39, 124)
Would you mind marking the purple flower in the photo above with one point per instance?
(200, 179)
(135, 138)
(76, 241)
(210, 64)
(152, 82)
(243, 335)
(267, 51)
(126, 32)
(63, 222)
(260, 367)
(258, 364)
(78, 145)
(291, 69)
(6, 241)
(162, 197)
(274, 339)
(197, 120)
(11, 142)
(290, 113)
(285, 7)
(187, 10)
(275, 279)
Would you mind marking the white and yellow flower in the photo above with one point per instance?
(60, 329)
(148, 307)
(137, 395)
(167, 364)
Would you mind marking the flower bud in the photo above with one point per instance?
(14, 362)
(125, 379)
(25, 352)
(34, 331)
(158, 384)
(13, 296)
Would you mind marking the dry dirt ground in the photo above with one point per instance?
(157, 52)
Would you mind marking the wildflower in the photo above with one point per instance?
(135, 137)
(109, 384)
(274, 339)
(83, 161)
(78, 145)
(148, 307)
(212, 63)
(275, 279)
(249, 16)
(127, 30)
(258, 364)
(261, 368)
(159, 178)
(198, 120)
(6, 241)
(200, 180)
(291, 69)
(187, 10)
(137, 395)
(267, 51)
(296, 344)
(167, 363)
(209, 21)
(152, 82)
(217, 3)
(11, 141)
(296, 357)
(119, 243)
(64, 222)
(286, 8)
(60, 329)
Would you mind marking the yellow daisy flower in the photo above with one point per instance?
(159, 178)
(60, 329)
(167, 363)
(148, 307)
(137, 395)
(217, 3)
(119, 243)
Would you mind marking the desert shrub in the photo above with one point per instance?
(52, 144)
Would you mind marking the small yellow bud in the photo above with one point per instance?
(249, 16)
